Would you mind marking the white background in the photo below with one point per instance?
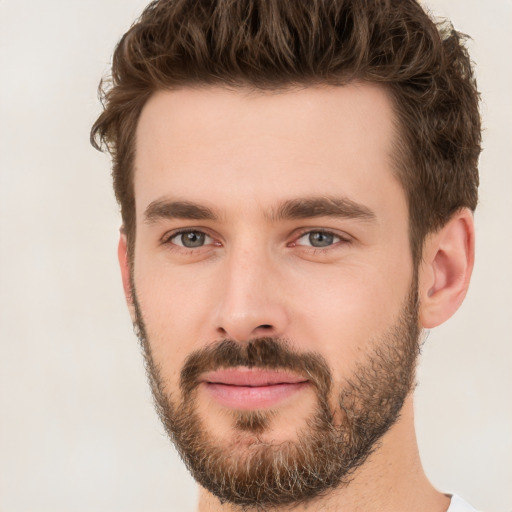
(77, 429)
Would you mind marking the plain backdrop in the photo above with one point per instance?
(77, 428)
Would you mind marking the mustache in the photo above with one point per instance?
(266, 353)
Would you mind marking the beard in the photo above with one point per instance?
(257, 474)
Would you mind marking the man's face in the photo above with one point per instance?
(272, 282)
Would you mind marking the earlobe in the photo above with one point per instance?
(445, 272)
(124, 264)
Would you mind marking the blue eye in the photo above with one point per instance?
(318, 239)
(190, 239)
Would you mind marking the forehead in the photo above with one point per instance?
(240, 147)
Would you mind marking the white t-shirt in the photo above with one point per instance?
(457, 504)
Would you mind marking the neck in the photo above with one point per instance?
(391, 480)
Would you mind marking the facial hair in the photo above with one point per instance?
(324, 455)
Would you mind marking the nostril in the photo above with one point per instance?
(243, 329)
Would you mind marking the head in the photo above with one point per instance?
(295, 181)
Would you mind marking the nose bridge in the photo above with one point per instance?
(250, 304)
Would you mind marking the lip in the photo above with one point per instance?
(251, 388)
(251, 377)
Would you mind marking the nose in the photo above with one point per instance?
(251, 301)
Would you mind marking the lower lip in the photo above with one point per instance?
(252, 397)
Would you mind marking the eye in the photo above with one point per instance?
(319, 239)
(190, 239)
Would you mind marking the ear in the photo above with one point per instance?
(445, 271)
(124, 264)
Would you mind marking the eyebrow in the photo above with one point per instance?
(311, 207)
(300, 208)
(163, 209)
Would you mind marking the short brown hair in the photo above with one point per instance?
(276, 44)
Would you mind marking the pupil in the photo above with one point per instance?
(192, 239)
(319, 239)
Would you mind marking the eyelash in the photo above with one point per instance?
(342, 239)
(168, 237)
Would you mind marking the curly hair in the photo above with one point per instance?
(278, 44)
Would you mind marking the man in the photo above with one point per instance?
(297, 182)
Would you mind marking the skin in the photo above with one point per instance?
(242, 155)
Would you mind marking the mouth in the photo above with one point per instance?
(252, 388)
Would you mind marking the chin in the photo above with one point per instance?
(269, 426)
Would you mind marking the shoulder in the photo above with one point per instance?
(457, 504)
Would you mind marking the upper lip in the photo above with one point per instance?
(251, 377)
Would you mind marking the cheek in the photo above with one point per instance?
(169, 304)
(340, 312)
